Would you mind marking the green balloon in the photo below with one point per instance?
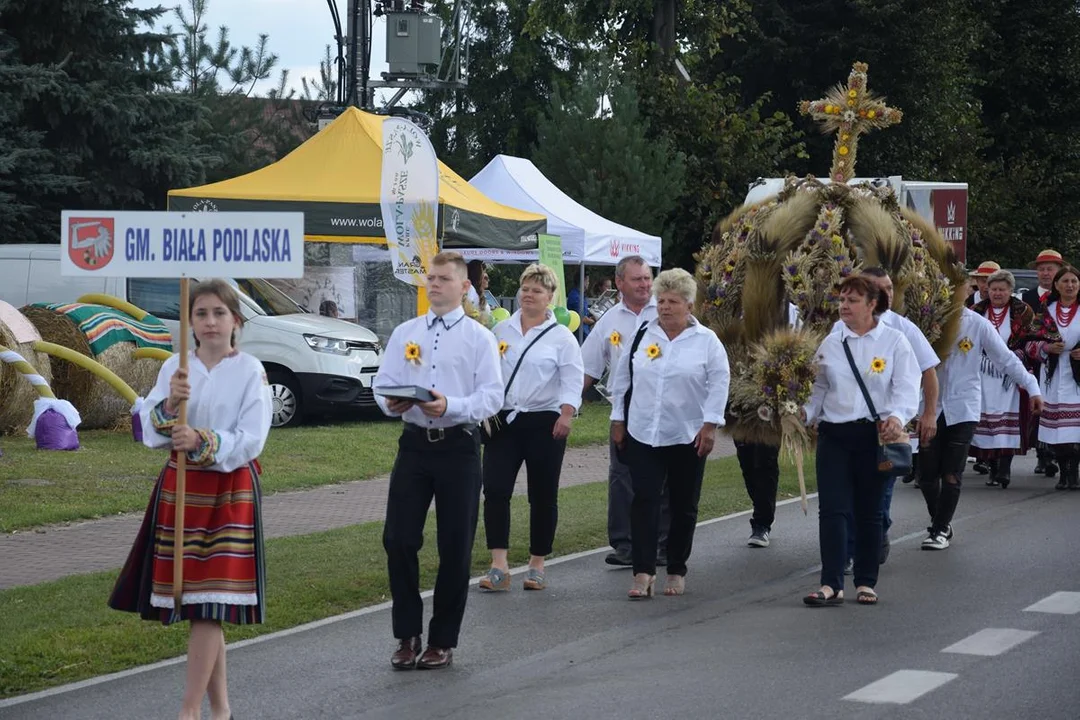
(562, 315)
(500, 314)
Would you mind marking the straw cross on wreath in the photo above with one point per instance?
(850, 111)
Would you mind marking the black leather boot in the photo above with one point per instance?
(1063, 479)
(1004, 470)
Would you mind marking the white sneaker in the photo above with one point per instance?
(935, 542)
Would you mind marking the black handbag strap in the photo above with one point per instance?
(630, 387)
(858, 378)
(522, 356)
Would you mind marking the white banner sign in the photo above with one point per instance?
(409, 199)
(182, 244)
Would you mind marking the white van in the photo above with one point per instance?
(315, 364)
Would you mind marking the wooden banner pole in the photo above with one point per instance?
(181, 461)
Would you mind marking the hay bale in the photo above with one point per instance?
(100, 405)
(69, 382)
(16, 394)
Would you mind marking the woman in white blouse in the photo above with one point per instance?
(1059, 349)
(849, 484)
(668, 394)
(543, 372)
(228, 420)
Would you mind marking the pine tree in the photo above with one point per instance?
(27, 169)
(595, 146)
(247, 131)
(97, 133)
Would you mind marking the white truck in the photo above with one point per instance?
(315, 364)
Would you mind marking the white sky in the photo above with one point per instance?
(299, 31)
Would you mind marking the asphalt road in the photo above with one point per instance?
(740, 644)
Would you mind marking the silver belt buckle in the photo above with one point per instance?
(435, 434)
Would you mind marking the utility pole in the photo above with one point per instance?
(414, 50)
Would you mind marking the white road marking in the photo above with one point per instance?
(1060, 603)
(900, 688)
(990, 642)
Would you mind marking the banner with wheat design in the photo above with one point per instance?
(409, 199)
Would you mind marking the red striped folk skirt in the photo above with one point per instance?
(224, 567)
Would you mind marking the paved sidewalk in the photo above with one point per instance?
(49, 553)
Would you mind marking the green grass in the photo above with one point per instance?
(62, 631)
(112, 474)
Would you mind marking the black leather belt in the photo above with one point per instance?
(438, 434)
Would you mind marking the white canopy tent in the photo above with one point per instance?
(587, 238)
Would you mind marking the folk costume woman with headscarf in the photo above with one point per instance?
(1003, 428)
(1058, 347)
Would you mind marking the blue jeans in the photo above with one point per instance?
(850, 494)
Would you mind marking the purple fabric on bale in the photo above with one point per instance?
(53, 432)
(136, 428)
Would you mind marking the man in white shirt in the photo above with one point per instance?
(1047, 263)
(959, 406)
(457, 361)
(610, 336)
(928, 361)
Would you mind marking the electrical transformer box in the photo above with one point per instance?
(413, 43)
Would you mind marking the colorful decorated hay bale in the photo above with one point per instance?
(110, 337)
(17, 396)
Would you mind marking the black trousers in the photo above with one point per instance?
(528, 439)
(449, 472)
(650, 468)
(761, 474)
(850, 494)
(620, 497)
(941, 467)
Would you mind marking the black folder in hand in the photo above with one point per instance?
(405, 392)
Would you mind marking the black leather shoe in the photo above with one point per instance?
(404, 658)
(620, 556)
(435, 658)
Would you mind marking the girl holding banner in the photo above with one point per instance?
(223, 579)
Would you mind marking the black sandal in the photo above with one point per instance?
(866, 597)
(820, 599)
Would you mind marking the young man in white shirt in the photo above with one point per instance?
(959, 405)
(1047, 263)
(610, 337)
(457, 361)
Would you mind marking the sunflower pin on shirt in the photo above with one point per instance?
(503, 347)
(877, 365)
(652, 352)
(412, 353)
(615, 339)
(965, 345)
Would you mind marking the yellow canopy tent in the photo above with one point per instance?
(334, 179)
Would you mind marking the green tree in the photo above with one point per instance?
(512, 75)
(28, 171)
(248, 131)
(596, 147)
(673, 52)
(324, 87)
(81, 123)
(1029, 72)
